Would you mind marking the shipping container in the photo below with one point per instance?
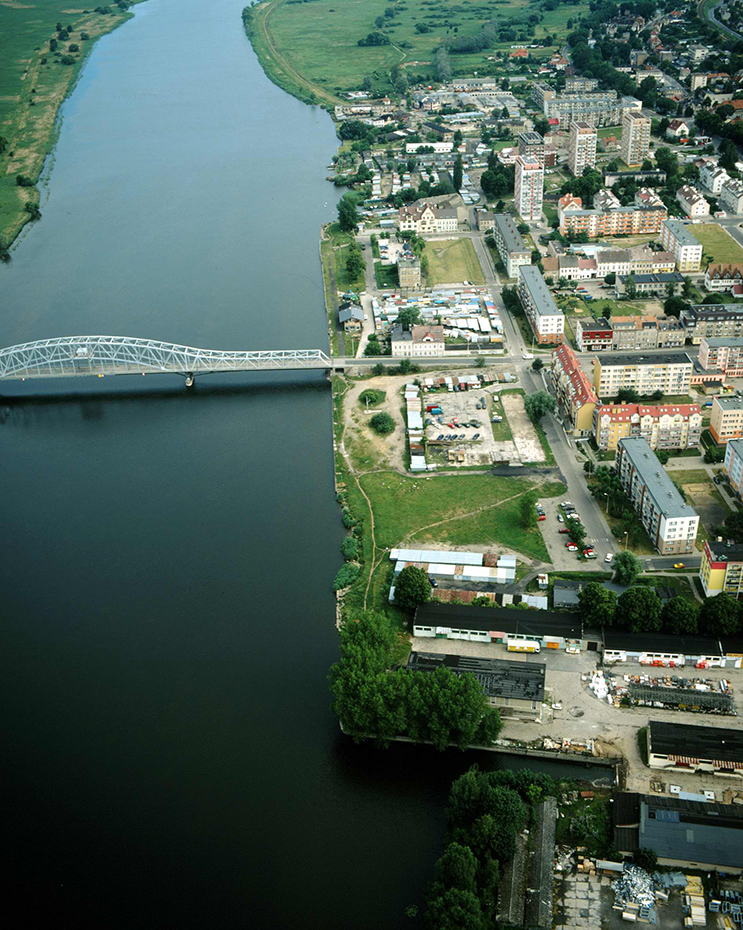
(523, 645)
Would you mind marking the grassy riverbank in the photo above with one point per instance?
(38, 68)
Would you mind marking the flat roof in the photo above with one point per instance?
(658, 358)
(661, 643)
(530, 138)
(500, 619)
(511, 236)
(663, 277)
(730, 403)
(717, 342)
(497, 677)
(679, 739)
(710, 311)
(658, 485)
(681, 232)
(540, 293)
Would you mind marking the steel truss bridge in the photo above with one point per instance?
(74, 356)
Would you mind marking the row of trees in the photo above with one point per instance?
(375, 700)
(640, 610)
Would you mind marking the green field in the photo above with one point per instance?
(452, 261)
(33, 84)
(718, 243)
(309, 47)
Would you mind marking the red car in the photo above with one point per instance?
(563, 529)
(571, 547)
(542, 516)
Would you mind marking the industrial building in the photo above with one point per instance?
(664, 650)
(715, 750)
(545, 319)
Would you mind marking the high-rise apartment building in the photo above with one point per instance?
(635, 138)
(531, 146)
(528, 189)
(581, 147)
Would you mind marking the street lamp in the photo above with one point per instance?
(606, 495)
(626, 539)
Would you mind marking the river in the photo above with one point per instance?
(170, 758)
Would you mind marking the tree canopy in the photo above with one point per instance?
(412, 587)
(640, 609)
(626, 567)
(597, 605)
(536, 405)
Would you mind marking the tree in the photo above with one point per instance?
(458, 173)
(663, 455)
(355, 263)
(527, 511)
(455, 910)
(577, 533)
(734, 526)
(639, 608)
(372, 347)
(674, 305)
(627, 396)
(537, 364)
(610, 278)
(536, 405)
(680, 616)
(597, 605)
(408, 317)
(630, 287)
(348, 216)
(457, 868)
(626, 567)
(728, 155)
(412, 587)
(646, 858)
(382, 423)
(720, 615)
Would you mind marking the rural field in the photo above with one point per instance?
(33, 83)
(452, 261)
(312, 46)
(718, 243)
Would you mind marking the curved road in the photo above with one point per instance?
(710, 15)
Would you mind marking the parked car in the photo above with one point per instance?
(433, 582)
(476, 436)
(541, 517)
(571, 547)
(560, 518)
(563, 529)
(439, 437)
(609, 557)
(679, 565)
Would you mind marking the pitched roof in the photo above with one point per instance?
(580, 384)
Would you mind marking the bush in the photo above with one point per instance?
(382, 423)
(348, 518)
(23, 181)
(68, 60)
(346, 576)
(350, 548)
(371, 397)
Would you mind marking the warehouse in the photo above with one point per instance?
(663, 650)
(716, 750)
(518, 630)
(516, 688)
(681, 832)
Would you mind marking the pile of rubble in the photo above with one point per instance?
(701, 695)
(634, 894)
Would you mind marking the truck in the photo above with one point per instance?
(524, 645)
(435, 409)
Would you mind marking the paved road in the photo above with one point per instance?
(711, 16)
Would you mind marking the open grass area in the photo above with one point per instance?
(386, 275)
(452, 261)
(311, 48)
(585, 309)
(34, 81)
(718, 243)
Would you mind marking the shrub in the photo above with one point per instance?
(346, 576)
(371, 397)
(348, 518)
(22, 181)
(350, 548)
(382, 423)
(646, 859)
(67, 60)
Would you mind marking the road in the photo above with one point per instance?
(710, 15)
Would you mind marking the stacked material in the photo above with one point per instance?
(600, 686)
(694, 903)
(634, 895)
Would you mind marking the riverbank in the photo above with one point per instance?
(47, 64)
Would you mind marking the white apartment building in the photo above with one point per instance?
(668, 372)
(713, 177)
(612, 261)
(581, 147)
(686, 248)
(691, 201)
(731, 196)
(671, 524)
(528, 189)
(423, 217)
(545, 318)
(635, 138)
(510, 245)
(418, 342)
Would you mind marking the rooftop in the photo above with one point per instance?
(664, 277)
(662, 642)
(508, 230)
(500, 619)
(544, 303)
(716, 342)
(497, 677)
(658, 358)
(706, 742)
(714, 311)
(658, 485)
(730, 403)
(582, 390)
(530, 138)
(680, 232)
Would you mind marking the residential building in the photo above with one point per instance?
(713, 177)
(649, 176)
(485, 220)
(663, 426)
(541, 92)
(661, 285)
(724, 353)
(647, 197)
(726, 421)
(670, 523)
(712, 320)
(683, 833)
(593, 335)
(531, 147)
(635, 137)
(677, 129)
(528, 189)
(580, 85)
(731, 196)
(574, 393)
(634, 333)
(669, 372)
(581, 147)
(646, 261)
(510, 245)
(409, 272)
(423, 217)
(545, 319)
(721, 571)
(691, 201)
(598, 109)
(686, 248)
(515, 688)
(574, 268)
(733, 466)
(605, 200)
(690, 748)
(418, 342)
(720, 277)
(619, 220)
(612, 261)
(351, 317)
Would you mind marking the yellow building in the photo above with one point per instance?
(722, 569)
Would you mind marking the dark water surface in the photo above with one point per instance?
(169, 756)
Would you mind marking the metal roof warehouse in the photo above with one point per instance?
(663, 649)
(670, 745)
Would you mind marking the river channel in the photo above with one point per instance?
(169, 757)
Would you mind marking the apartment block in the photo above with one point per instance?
(635, 137)
(686, 248)
(510, 245)
(726, 422)
(596, 109)
(633, 333)
(409, 272)
(646, 261)
(721, 571)
(677, 426)
(733, 466)
(719, 277)
(731, 196)
(670, 523)
(619, 220)
(716, 320)
(581, 147)
(593, 335)
(667, 372)
(574, 393)
(423, 217)
(531, 147)
(660, 285)
(580, 85)
(691, 201)
(713, 177)
(528, 189)
(545, 318)
(724, 353)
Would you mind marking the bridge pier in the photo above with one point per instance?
(190, 379)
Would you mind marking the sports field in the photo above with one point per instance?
(718, 243)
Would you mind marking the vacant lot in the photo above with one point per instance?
(704, 497)
(452, 261)
(717, 243)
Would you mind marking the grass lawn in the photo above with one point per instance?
(337, 246)
(386, 275)
(452, 261)
(718, 243)
(501, 431)
(28, 120)
(585, 309)
(550, 213)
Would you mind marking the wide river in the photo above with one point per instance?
(169, 755)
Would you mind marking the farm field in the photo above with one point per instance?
(718, 243)
(452, 261)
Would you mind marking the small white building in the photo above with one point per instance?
(731, 196)
(418, 342)
(692, 202)
(713, 177)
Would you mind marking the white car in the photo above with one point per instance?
(609, 557)
(527, 355)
